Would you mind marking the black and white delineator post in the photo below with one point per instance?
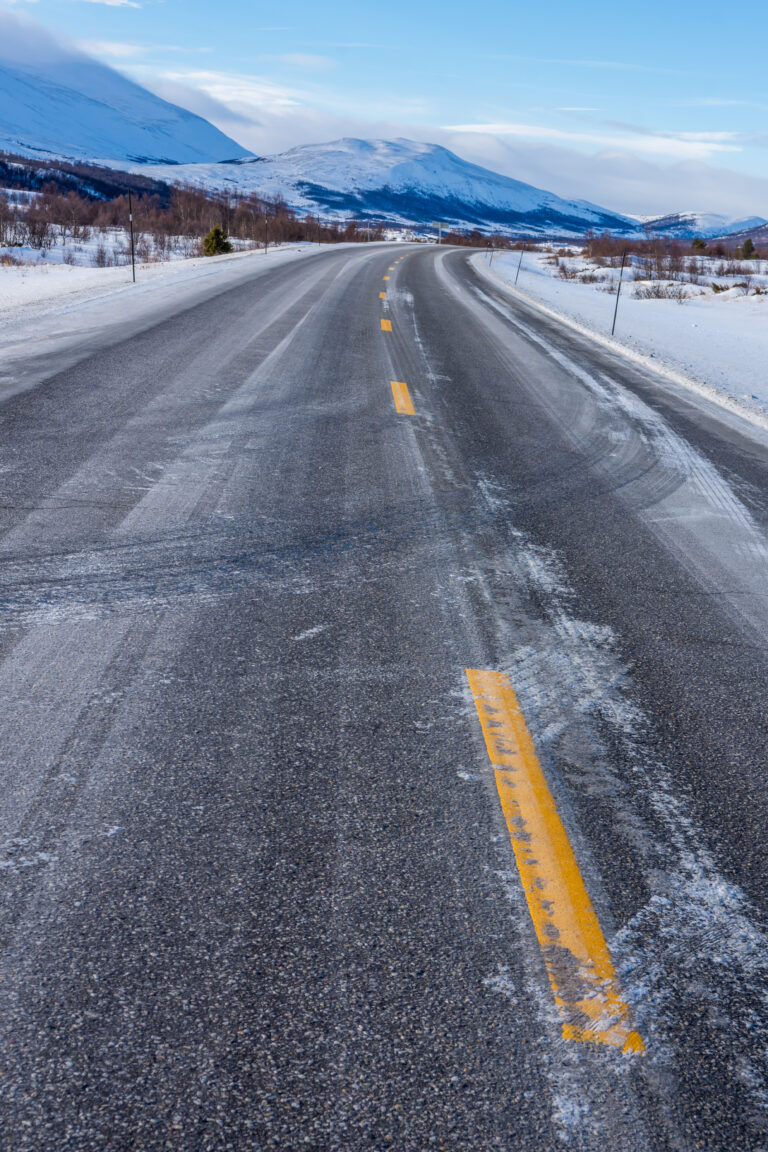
(618, 290)
(130, 222)
(520, 262)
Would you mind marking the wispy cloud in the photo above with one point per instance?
(114, 49)
(114, 3)
(244, 93)
(680, 145)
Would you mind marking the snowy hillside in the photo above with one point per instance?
(56, 101)
(704, 224)
(401, 180)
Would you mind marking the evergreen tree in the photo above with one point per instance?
(216, 242)
(747, 249)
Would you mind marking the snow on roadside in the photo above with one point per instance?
(717, 341)
(51, 317)
(27, 287)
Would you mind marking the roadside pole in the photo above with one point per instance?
(130, 222)
(520, 262)
(266, 234)
(618, 290)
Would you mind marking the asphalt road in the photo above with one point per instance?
(258, 887)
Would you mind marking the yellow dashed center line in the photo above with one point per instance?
(403, 402)
(385, 277)
(579, 965)
(382, 295)
(386, 325)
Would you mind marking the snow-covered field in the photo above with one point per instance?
(716, 341)
(107, 247)
(25, 288)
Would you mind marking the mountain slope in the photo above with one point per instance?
(704, 224)
(76, 107)
(405, 182)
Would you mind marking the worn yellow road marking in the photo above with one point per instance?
(386, 325)
(581, 972)
(403, 402)
(382, 295)
(385, 277)
(391, 268)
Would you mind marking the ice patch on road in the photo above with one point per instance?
(310, 632)
(501, 982)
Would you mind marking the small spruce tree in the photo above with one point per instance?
(216, 242)
(698, 244)
(747, 249)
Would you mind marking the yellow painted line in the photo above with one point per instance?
(392, 268)
(385, 277)
(579, 965)
(386, 325)
(403, 402)
(382, 295)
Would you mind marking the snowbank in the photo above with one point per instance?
(25, 286)
(717, 343)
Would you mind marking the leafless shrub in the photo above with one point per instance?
(659, 291)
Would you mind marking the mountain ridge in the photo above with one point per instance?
(403, 182)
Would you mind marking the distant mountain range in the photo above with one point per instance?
(707, 225)
(72, 106)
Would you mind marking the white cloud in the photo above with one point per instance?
(246, 94)
(114, 3)
(25, 41)
(691, 145)
(115, 49)
(616, 178)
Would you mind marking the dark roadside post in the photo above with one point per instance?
(130, 222)
(520, 262)
(618, 290)
(266, 234)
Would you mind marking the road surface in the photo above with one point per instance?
(384, 695)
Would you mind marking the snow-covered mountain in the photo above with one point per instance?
(402, 181)
(704, 224)
(56, 101)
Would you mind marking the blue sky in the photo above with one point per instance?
(644, 108)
